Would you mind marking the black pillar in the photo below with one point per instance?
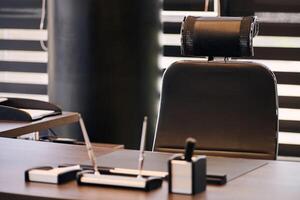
(103, 64)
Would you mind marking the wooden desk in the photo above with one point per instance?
(15, 129)
(276, 180)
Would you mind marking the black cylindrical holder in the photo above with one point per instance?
(218, 36)
(187, 177)
(103, 64)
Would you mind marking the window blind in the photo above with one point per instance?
(23, 63)
(277, 46)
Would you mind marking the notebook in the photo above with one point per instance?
(36, 114)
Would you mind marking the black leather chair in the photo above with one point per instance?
(230, 108)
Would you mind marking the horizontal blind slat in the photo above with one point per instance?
(20, 4)
(260, 53)
(259, 41)
(19, 23)
(178, 16)
(288, 138)
(269, 29)
(187, 5)
(21, 45)
(23, 34)
(276, 53)
(289, 126)
(246, 8)
(277, 65)
(289, 114)
(288, 90)
(289, 102)
(23, 88)
(276, 6)
(289, 150)
(274, 65)
(290, 78)
(26, 96)
(280, 29)
(23, 67)
(23, 56)
(23, 77)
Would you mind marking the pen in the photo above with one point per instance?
(88, 145)
(190, 144)
(142, 147)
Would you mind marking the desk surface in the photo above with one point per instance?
(14, 129)
(276, 180)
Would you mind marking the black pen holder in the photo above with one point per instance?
(187, 177)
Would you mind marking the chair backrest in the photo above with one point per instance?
(231, 108)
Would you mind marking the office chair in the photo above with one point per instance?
(230, 108)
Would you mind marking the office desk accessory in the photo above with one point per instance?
(95, 177)
(187, 174)
(26, 110)
(57, 175)
(187, 177)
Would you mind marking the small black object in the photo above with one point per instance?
(187, 177)
(12, 109)
(66, 141)
(216, 179)
(190, 144)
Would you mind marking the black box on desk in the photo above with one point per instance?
(187, 177)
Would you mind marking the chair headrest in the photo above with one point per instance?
(218, 36)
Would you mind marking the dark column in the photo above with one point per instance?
(103, 64)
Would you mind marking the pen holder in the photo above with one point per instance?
(187, 177)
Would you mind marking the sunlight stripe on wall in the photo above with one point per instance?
(23, 34)
(24, 56)
(258, 41)
(288, 138)
(27, 96)
(24, 77)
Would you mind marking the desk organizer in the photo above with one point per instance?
(52, 175)
(90, 178)
(187, 177)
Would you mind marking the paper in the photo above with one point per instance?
(2, 99)
(35, 113)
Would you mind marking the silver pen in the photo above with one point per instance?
(142, 147)
(88, 145)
